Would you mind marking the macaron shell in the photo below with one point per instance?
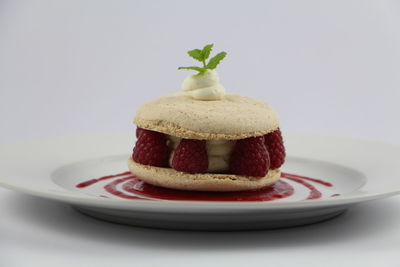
(233, 117)
(170, 178)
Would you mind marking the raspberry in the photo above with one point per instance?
(275, 147)
(139, 132)
(250, 157)
(151, 149)
(190, 156)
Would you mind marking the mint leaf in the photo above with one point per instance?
(199, 69)
(213, 63)
(196, 54)
(202, 55)
(205, 53)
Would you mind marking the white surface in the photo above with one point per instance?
(75, 66)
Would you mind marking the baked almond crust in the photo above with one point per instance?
(234, 117)
(170, 178)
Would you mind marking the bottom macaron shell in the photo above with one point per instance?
(170, 178)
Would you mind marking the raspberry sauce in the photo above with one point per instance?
(128, 186)
(93, 181)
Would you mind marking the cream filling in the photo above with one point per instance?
(218, 151)
(204, 86)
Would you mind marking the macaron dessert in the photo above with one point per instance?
(205, 139)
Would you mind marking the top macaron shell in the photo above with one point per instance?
(231, 118)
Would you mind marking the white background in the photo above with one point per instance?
(68, 67)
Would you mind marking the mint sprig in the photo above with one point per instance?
(202, 56)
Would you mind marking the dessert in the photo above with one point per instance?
(204, 139)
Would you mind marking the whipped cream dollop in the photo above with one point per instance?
(218, 152)
(205, 86)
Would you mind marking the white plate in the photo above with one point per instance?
(359, 170)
